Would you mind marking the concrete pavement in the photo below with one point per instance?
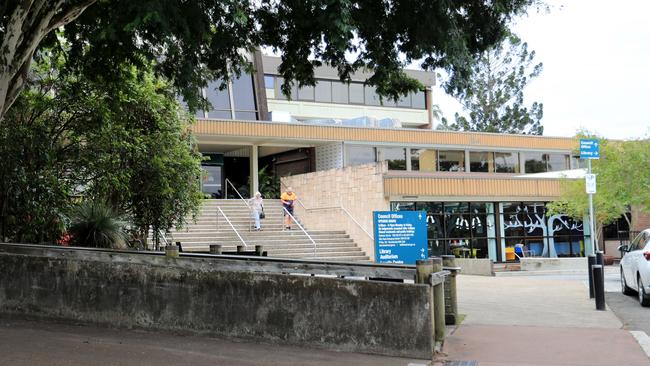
(533, 321)
(32, 343)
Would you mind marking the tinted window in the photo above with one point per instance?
(278, 90)
(404, 101)
(371, 96)
(423, 160)
(306, 93)
(220, 101)
(535, 162)
(506, 162)
(418, 100)
(269, 81)
(481, 161)
(395, 156)
(323, 91)
(557, 162)
(357, 155)
(451, 161)
(356, 93)
(339, 92)
(243, 94)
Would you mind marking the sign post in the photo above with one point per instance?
(589, 149)
(400, 236)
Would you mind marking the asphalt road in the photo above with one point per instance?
(36, 343)
(627, 308)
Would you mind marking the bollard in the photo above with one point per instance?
(439, 302)
(240, 249)
(215, 249)
(451, 297)
(599, 286)
(259, 250)
(180, 247)
(171, 251)
(591, 260)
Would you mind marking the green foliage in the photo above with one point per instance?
(623, 181)
(127, 143)
(202, 39)
(269, 183)
(494, 96)
(97, 225)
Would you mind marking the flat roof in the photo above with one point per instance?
(271, 64)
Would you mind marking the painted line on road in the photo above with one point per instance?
(643, 339)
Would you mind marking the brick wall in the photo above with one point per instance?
(640, 220)
(359, 189)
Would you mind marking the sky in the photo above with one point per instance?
(596, 57)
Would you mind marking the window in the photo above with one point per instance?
(371, 96)
(535, 162)
(306, 93)
(323, 91)
(451, 161)
(506, 162)
(356, 93)
(404, 101)
(423, 160)
(418, 100)
(395, 156)
(219, 100)
(557, 162)
(278, 89)
(481, 161)
(269, 81)
(358, 155)
(339, 92)
(243, 94)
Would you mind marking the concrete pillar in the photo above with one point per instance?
(254, 169)
(449, 263)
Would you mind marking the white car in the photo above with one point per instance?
(635, 267)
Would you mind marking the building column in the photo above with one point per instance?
(254, 169)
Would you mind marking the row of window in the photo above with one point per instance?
(473, 226)
(240, 91)
(332, 91)
(433, 160)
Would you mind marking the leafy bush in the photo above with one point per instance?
(97, 225)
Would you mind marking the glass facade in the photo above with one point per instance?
(335, 91)
(359, 154)
(395, 156)
(451, 161)
(423, 160)
(486, 229)
(242, 93)
(540, 162)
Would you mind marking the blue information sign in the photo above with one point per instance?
(589, 149)
(400, 236)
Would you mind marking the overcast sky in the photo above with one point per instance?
(596, 57)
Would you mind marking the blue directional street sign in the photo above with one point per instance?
(400, 236)
(589, 149)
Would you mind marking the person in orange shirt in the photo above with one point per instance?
(288, 199)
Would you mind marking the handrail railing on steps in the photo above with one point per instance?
(250, 210)
(232, 226)
(286, 212)
(340, 207)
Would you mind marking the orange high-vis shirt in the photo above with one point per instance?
(288, 197)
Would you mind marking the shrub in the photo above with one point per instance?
(97, 225)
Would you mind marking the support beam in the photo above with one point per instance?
(254, 169)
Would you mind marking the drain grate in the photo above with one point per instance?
(461, 363)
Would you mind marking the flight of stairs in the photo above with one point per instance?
(212, 228)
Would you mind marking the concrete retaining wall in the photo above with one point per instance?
(554, 264)
(149, 291)
(479, 266)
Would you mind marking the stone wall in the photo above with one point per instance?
(188, 294)
(359, 189)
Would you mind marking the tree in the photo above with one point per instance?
(127, 143)
(494, 96)
(622, 180)
(196, 40)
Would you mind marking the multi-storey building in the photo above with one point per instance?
(346, 150)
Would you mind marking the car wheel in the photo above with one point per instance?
(644, 299)
(625, 289)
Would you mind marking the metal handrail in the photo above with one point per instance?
(301, 228)
(250, 210)
(334, 207)
(233, 227)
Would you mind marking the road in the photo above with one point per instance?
(36, 343)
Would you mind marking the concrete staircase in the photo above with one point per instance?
(212, 228)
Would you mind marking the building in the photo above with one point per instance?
(348, 153)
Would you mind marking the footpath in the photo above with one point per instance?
(532, 321)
